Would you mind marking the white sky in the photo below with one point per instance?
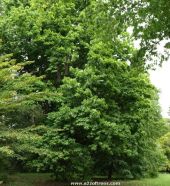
(160, 78)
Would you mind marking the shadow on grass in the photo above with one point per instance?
(43, 179)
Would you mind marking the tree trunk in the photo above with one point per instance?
(58, 76)
(66, 69)
(110, 171)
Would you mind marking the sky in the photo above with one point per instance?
(160, 78)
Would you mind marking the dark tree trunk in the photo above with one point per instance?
(33, 119)
(58, 76)
(66, 69)
(110, 171)
(46, 107)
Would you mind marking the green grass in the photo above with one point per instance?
(27, 179)
(41, 179)
(161, 180)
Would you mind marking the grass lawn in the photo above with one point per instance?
(40, 179)
(28, 179)
(162, 180)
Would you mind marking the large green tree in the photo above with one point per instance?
(112, 110)
(106, 121)
(101, 115)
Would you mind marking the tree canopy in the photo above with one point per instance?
(75, 96)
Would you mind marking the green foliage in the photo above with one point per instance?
(22, 97)
(85, 106)
(165, 144)
(42, 148)
(58, 34)
(113, 110)
(19, 94)
(150, 22)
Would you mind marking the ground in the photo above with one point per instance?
(161, 180)
(33, 179)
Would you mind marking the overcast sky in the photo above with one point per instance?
(160, 78)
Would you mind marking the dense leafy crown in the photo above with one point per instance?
(85, 106)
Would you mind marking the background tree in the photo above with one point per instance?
(165, 145)
(20, 95)
(150, 22)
